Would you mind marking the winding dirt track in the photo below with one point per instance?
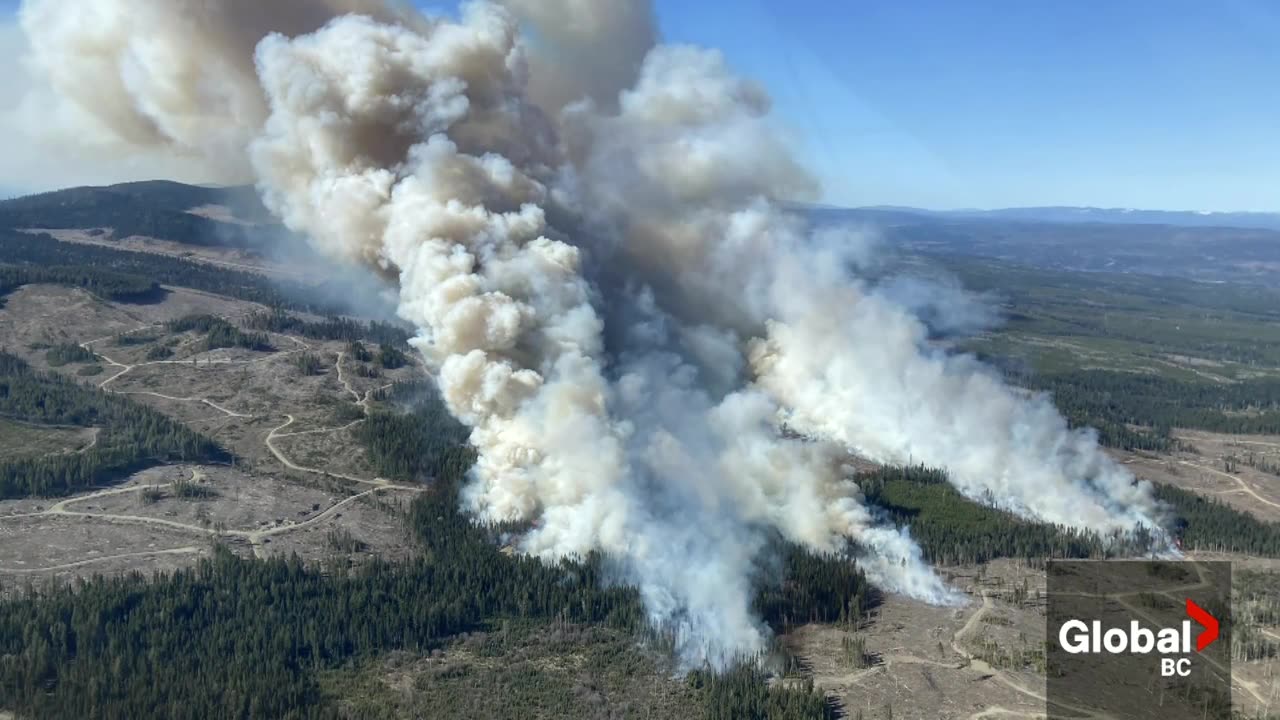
(1244, 487)
(255, 538)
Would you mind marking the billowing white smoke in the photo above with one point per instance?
(608, 290)
(173, 73)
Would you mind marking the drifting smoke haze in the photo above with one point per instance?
(587, 230)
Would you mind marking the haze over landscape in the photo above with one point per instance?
(583, 344)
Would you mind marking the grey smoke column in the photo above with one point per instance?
(607, 289)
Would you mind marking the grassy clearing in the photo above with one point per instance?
(22, 440)
(534, 670)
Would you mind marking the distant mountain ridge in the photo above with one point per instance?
(1187, 245)
(158, 208)
(1211, 247)
(1117, 216)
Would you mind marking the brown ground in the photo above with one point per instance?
(980, 661)
(1250, 489)
(299, 481)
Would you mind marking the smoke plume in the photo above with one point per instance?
(588, 231)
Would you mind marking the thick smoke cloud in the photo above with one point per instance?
(584, 49)
(655, 358)
(172, 73)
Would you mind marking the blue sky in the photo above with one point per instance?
(1127, 103)
(1170, 104)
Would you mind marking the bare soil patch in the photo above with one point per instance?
(1239, 470)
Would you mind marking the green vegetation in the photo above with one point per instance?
(67, 353)
(248, 638)
(1245, 407)
(133, 436)
(1135, 356)
(549, 671)
(220, 334)
(1208, 524)
(309, 364)
(341, 540)
(134, 339)
(136, 209)
(853, 652)
(953, 529)
(367, 371)
(159, 352)
(742, 694)
(190, 490)
(331, 328)
(561, 670)
(813, 588)
(106, 284)
(1255, 605)
(359, 352)
(120, 274)
(416, 444)
(391, 357)
(345, 413)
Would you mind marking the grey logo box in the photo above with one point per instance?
(1130, 685)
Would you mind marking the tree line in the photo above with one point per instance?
(131, 436)
(331, 328)
(1137, 411)
(239, 637)
(72, 263)
(120, 287)
(220, 333)
(953, 529)
(126, 214)
(1209, 524)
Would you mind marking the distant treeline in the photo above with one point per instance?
(106, 284)
(1110, 400)
(1209, 524)
(331, 328)
(220, 333)
(953, 529)
(125, 270)
(131, 436)
(68, 353)
(151, 214)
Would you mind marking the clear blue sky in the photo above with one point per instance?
(937, 103)
(1160, 104)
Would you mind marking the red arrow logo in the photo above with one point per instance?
(1210, 623)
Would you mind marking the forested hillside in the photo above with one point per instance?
(26, 258)
(131, 436)
(1244, 407)
(152, 209)
(331, 328)
(954, 529)
(106, 284)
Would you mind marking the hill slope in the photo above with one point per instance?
(159, 209)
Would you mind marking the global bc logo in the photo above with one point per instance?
(1173, 643)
